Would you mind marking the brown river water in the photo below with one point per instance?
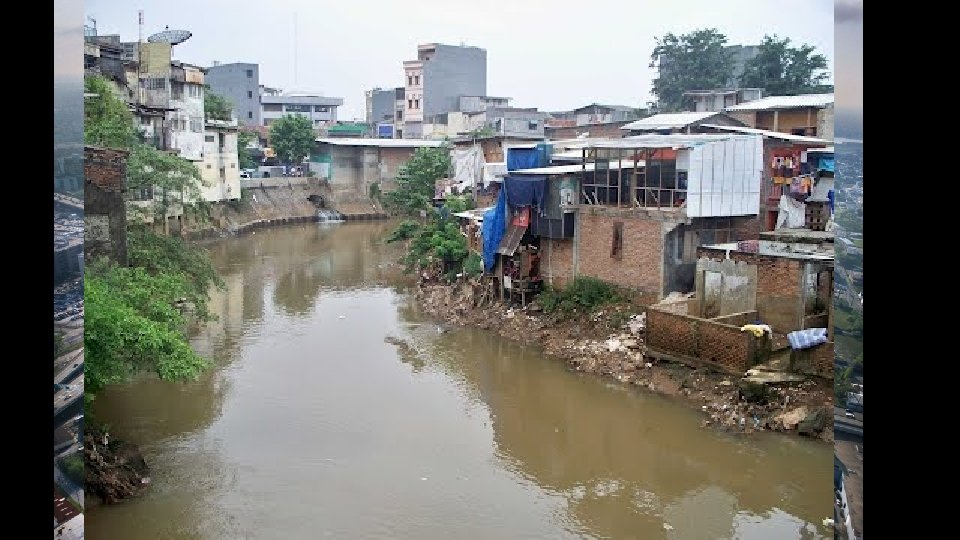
(310, 425)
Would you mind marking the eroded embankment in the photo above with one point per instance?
(610, 343)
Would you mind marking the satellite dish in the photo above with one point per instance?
(173, 37)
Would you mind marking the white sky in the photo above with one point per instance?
(849, 20)
(554, 55)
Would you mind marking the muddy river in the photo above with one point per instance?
(313, 424)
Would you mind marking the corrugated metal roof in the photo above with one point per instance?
(568, 169)
(770, 134)
(386, 143)
(676, 141)
(668, 120)
(784, 102)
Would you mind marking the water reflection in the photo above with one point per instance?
(316, 423)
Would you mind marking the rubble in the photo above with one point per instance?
(611, 343)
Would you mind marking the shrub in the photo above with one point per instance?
(584, 295)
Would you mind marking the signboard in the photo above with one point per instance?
(385, 131)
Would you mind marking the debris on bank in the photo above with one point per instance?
(611, 343)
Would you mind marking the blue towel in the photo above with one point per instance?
(804, 339)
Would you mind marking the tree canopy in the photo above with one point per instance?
(243, 153)
(417, 180)
(174, 179)
(292, 137)
(215, 106)
(781, 69)
(693, 61)
(107, 121)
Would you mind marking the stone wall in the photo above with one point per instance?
(818, 360)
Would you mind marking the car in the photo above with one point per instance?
(77, 364)
(849, 414)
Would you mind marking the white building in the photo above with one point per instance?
(186, 120)
(320, 110)
(220, 167)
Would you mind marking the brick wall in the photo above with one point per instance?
(556, 262)
(737, 319)
(779, 287)
(640, 264)
(816, 360)
(610, 130)
(105, 211)
(720, 346)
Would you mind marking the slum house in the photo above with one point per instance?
(640, 208)
(754, 300)
(806, 114)
(683, 122)
(567, 129)
(794, 176)
(494, 168)
(352, 166)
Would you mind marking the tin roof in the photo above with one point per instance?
(668, 120)
(784, 102)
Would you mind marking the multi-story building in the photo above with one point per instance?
(380, 111)
(320, 110)
(220, 168)
(719, 99)
(805, 114)
(239, 83)
(436, 80)
(399, 106)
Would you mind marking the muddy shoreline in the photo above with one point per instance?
(609, 343)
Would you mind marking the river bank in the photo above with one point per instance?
(610, 343)
(114, 470)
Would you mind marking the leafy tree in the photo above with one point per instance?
(133, 323)
(417, 179)
(246, 160)
(159, 254)
(292, 137)
(781, 69)
(106, 119)
(215, 106)
(693, 61)
(72, 466)
(174, 179)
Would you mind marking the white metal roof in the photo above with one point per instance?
(569, 169)
(784, 102)
(677, 140)
(769, 134)
(668, 120)
(385, 143)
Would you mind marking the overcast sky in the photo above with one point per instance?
(547, 54)
(849, 22)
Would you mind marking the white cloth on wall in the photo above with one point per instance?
(793, 213)
(467, 166)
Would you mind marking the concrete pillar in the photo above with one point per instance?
(776, 120)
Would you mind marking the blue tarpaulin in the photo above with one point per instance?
(526, 190)
(826, 163)
(494, 224)
(522, 158)
(830, 196)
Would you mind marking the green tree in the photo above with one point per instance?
(174, 179)
(165, 255)
(781, 69)
(106, 119)
(693, 61)
(133, 324)
(246, 160)
(215, 106)
(417, 179)
(292, 137)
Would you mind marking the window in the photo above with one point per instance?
(209, 166)
(416, 79)
(176, 90)
(223, 173)
(196, 124)
(321, 108)
(409, 80)
(223, 140)
(616, 250)
(249, 94)
(249, 114)
(399, 114)
(532, 126)
(297, 108)
(155, 83)
(272, 107)
(209, 138)
(233, 165)
(249, 73)
(416, 104)
(399, 133)
(409, 103)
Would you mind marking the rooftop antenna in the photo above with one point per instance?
(294, 49)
